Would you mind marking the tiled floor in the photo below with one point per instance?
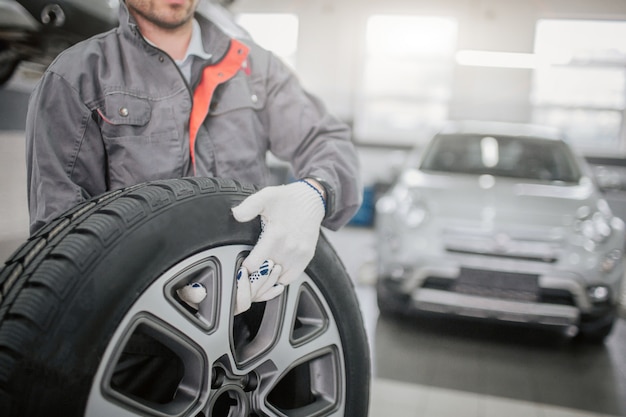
(428, 368)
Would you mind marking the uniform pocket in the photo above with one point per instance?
(123, 109)
(141, 140)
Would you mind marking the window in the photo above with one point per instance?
(580, 82)
(406, 78)
(277, 32)
(505, 156)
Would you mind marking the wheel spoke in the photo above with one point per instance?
(284, 355)
(168, 314)
(290, 311)
(208, 327)
(229, 259)
(104, 406)
(99, 406)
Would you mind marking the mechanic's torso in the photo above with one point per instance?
(142, 105)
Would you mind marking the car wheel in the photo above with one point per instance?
(91, 323)
(596, 332)
(390, 303)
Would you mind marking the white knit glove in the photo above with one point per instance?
(261, 285)
(291, 216)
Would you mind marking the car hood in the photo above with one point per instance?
(499, 203)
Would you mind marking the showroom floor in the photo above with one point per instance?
(428, 368)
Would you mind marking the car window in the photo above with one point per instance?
(508, 156)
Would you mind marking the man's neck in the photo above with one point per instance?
(173, 41)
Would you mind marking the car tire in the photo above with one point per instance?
(596, 333)
(91, 322)
(390, 303)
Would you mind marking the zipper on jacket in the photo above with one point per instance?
(163, 55)
(194, 124)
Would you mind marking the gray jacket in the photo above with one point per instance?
(114, 111)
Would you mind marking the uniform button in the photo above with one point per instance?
(254, 98)
(123, 111)
(161, 59)
(213, 106)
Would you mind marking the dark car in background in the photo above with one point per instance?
(501, 222)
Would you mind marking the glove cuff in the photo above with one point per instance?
(317, 191)
(311, 198)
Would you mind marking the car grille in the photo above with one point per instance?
(500, 285)
(496, 284)
(557, 296)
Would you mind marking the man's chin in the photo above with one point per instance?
(177, 3)
(172, 17)
(172, 25)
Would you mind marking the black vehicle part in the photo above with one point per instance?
(91, 324)
(595, 329)
(38, 30)
(81, 19)
(391, 302)
(8, 62)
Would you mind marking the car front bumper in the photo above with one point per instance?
(506, 310)
(557, 300)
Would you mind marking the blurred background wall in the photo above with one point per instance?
(431, 60)
(397, 69)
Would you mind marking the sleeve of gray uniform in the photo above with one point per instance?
(317, 144)
(64, 153)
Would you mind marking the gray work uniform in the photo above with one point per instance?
(114, 111)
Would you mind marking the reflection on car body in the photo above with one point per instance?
(501, 221)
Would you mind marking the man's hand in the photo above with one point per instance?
(260, 286)
(291, 216)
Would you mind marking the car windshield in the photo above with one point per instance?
(508, 156)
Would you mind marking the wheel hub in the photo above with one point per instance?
(232, 395)
(230, 400)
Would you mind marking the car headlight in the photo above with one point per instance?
(409, 208)
(595, 225)
(598, 293)
(413, 211)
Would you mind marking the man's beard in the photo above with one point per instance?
(162, 23)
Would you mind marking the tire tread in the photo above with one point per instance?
(36, 305)
(41, 274)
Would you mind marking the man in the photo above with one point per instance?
(179, 90)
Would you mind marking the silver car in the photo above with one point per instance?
(505, 222)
